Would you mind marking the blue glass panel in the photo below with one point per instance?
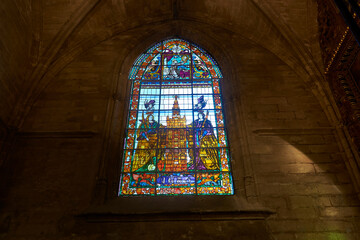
(171, 59)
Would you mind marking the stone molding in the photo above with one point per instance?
(64, 134)
(292, 131)
(256, 214)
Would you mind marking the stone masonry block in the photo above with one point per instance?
(298, 213)
(340, 212)
(328, 167)
(301, 201)
(286, 168)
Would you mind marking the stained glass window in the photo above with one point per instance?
(175, 141)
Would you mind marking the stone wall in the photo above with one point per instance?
(298, 164)
(287, 158)
(15, 53)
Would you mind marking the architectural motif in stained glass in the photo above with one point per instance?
(175, 138)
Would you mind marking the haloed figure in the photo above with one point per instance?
(145, 155)
(203, 153)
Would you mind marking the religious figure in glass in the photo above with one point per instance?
(202, 142)
(145, 157)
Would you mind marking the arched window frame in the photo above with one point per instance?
(139, 74)
(108, 206)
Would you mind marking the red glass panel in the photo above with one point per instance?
(219, 118)
(216, 87)
(138, 184)
(214, 183)
(132, 119)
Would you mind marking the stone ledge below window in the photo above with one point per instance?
(175, 208)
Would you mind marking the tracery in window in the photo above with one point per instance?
(175, 140)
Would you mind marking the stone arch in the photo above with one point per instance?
(117, 118)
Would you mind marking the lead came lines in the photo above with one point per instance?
(203, 147)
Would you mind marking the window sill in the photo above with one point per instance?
(175, 208)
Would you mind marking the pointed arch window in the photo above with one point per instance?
(175, 141)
